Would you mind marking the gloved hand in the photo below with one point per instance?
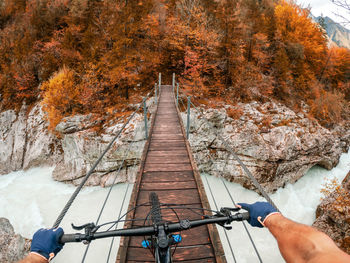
(45, 242)
(258, 212)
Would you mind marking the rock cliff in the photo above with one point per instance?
(13, 247)
(25, 142)
(276, 144)
(333, 215)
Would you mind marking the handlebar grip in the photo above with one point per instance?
(67, 238)
(245, 216)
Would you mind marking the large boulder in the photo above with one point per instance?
(73, 147)
(82, 146)
(13, 247)
(277, 144)
(25, 141)
(333, 215)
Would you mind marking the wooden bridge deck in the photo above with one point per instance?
(168, 169)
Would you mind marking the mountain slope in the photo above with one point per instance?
(336, 32)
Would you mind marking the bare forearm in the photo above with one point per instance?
(33, 258)
(301, 243)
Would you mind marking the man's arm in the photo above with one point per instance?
(33, 258)
(301, 243)
(297, 242)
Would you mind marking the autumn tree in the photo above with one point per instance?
(61, 96)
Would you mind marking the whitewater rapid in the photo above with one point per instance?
(296, 201)
(32, 199)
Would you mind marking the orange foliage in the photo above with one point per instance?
(110, 52)
(342, 196)
(338, 68)
(326, 106)
(303, 42)
(60, 96)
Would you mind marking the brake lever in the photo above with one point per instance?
(226, 211)
(89, 228)
(231, 209)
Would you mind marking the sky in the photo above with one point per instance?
(325, 7)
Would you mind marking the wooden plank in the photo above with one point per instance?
(168, 185)
(182, 213)
(178, 196)
(167, 167)
(182, 253)
(164, 148)
(169, 144)
(178, 151)
(170, 159)
(167, 137)
(167, 176)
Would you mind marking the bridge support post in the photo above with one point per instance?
(155, 92)
(173, 81)
(177, 95)
(159, 81)
(145, 115)
(188, 117)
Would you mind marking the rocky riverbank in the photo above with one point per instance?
(277, 144)
(13, 247)
(333, 215)
(25, 142)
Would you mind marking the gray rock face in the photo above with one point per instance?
(276, 144)
(82, 147)
(333, 215)
(13, 247)
(25, 142)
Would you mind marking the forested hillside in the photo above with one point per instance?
(80, 56)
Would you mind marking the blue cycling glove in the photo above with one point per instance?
(258, 212)
(46, 242)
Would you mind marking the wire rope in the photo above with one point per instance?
(120, 211)
(216, 206)
(77, 190)
(246, 170)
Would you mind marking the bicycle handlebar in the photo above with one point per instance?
(151, 230)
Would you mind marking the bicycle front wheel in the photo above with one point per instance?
(156, 215)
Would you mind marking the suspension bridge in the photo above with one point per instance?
(168, 168)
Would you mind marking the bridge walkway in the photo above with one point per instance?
(168, 169)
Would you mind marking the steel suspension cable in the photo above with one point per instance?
(77, 190)
(222, 180)
(245, 227)
(120, 211)
(228, 147)
(107, 197)
(234, 203)
(103, 206)
(216, 207)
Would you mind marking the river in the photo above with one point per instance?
(32, 199)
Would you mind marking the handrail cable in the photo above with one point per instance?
(120, 211)
(103, 206)
(108, 195)
(234, 203)
(216, 207)
(245, 227)
(227, 146)
(77, 190)
(243, 223)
